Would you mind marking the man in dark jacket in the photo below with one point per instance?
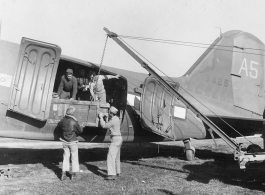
(70, 128)
(68, 86)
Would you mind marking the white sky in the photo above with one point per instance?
(77, 27)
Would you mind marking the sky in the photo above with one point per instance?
(77, 27)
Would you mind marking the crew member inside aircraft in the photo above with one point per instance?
(113, 159)
(70, 127)
(82, 82)
(68, 86)
(98, 87)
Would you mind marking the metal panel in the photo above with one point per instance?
(34, 79)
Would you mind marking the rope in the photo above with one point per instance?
(101, 64)
(103, 54)
(198, 45)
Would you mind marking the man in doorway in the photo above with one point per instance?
(113, 159)
(98, 87)
(68, 86)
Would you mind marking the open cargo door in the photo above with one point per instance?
(32, 88)
(156, 108)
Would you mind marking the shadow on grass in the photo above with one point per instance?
(96, 170)
(217, 165)
(166, 192)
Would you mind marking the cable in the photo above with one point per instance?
(211, 47)
(184, 42)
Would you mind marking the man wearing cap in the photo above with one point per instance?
(68, 86)
(113, 159)
(70, 128)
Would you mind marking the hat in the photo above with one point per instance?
(69, 71)
(70, 110)
(113, 110)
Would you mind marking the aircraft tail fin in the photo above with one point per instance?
(231, 72)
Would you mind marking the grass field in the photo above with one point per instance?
(148, 168)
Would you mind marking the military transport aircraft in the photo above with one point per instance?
(226, 84)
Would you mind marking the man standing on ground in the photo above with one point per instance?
(70, 128)
(68, 86)
(113, 159)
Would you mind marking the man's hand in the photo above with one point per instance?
(100, 115)
(117, 76)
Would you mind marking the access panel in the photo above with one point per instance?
(32, 88)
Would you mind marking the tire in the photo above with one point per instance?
(190, 155)
(254, 148)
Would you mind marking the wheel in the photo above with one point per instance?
(253, 148)
(190, 154)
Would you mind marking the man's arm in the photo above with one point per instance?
(60, 88)
(78, 128)
(112, 77)
(103, 123)
(102, 77)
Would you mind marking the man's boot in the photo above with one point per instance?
(63, 176)
(73, 176)
(110, 177)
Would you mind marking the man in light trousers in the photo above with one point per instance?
(70, 128)
(113, 159)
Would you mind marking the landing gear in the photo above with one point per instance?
(189, 150)
(253, 148)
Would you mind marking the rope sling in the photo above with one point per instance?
(103, 54)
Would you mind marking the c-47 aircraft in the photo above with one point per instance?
(226, 84)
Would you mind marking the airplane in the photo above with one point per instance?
(227, 82)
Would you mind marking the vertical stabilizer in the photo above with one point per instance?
(229, 76)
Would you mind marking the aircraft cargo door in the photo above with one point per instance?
(156, 108)
(32, 88)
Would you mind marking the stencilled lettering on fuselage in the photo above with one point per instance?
(217, 80)
(212, 85)
(249, 69)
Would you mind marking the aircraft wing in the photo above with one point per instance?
(134, 79)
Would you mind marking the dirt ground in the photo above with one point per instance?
(147, 168)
